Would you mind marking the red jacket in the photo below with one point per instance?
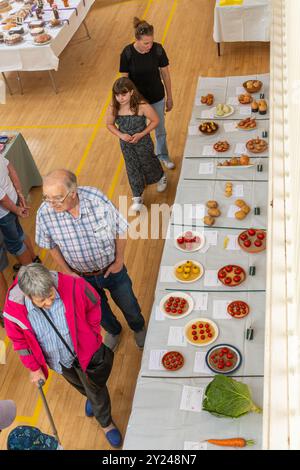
(78, 296)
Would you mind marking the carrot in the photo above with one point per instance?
(234, 442)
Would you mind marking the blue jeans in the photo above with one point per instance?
(13, 234)
(161, 148)
(120, 287)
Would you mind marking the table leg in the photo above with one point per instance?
(53, 81)
(20, 83)
(6, 83)
(86, 29)
(219, 49)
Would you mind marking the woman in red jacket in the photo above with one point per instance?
(53, 320)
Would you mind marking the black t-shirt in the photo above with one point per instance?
(143, 70)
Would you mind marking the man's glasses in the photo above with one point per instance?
(56, 201)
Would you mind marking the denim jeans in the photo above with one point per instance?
(13, 234)
(119, 286)
(161, 148)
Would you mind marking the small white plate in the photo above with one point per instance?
(235, 167)
(195, 234)
(202, 320)
(232, 110)
(185, 296)
(194, 280)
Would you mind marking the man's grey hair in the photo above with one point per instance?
(35, 280)
(62, 176)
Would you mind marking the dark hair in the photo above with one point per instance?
(142, 28)
(124, 85)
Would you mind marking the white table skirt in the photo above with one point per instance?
(2, 91)
(247, 22)
(28, 57)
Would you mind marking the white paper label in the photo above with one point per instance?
(191, 399)
(193, 130)
(189, 445)
(208, 150)
(240, 149)
(200, 365)
(155, 359)
(245, 110)
(232, 243)
(238, 190)
(201, 300)
(159, 316)
(230, 127)
(231, 211)
(220, 310)
(233, 100)
(166, 274)
(211, 278)
(176, 336)
(211, 237)
(206, 168)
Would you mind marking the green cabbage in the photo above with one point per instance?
(226, 397)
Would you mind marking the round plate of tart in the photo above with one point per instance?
(223, 358)
(257, 145)
(176, 305)
(245, 99)
(221, 146)
(188, 271)
(172, 360)
(231, 275)
(247, 124)
(208, 127)
(190, 241)
(208, 99)
(201, 331)
(223, 110)
(253, 240)
(238, 309)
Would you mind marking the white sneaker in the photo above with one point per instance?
(162, 184)
(168, 164)
(137, 204)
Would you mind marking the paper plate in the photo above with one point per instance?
(202, 320)
(187, 297)
(195, 234)
(192, 280)
(232, 110)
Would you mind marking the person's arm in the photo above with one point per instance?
(111, 126)
(60, 261)
(118, 264)
(22, 347)
(165, 73)
(153, 119)
(17, 185)
(10, 206)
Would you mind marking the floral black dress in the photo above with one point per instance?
(142, 165)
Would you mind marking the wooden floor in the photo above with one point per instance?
(67, 130)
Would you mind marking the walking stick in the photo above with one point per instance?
(40, 386)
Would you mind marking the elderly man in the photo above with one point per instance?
(53, 321)
(82, 229)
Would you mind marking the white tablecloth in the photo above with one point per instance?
(29, 57)
(247, 22)
(2, 91)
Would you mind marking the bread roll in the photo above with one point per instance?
(212, 204)
(208, 220)
(240, 215)
(240, 203)
(214, 212)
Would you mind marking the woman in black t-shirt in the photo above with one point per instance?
(146, 63)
